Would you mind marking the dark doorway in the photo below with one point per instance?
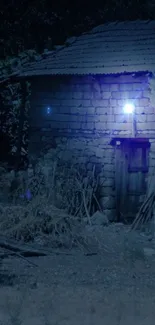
(131, 168)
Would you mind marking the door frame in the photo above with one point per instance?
(124, 167)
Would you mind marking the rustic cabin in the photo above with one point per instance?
(93, 101)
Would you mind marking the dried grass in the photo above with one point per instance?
(63, 199)
(146, 214)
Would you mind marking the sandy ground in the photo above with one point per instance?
(114, 287)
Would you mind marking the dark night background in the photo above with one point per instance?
(40, 24)
(67, 253)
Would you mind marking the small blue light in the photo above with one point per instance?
(48, 110)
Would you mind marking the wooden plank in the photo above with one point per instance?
(124, 180)
(118, 179)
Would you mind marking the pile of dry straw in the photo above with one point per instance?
(54, 203)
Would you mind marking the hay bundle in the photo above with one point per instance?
(146, 213)
(60, 205)
(30, 221)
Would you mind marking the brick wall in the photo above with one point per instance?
(86, 113)
(88, 105)
(87, 153)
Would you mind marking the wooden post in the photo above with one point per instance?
(117, 178)
(134, 129)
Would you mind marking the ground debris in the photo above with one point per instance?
(148, 252)
(99, 218)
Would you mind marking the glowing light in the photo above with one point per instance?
(129, 108)
(48, 110)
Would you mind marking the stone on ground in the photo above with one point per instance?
(99, 219)
(148, 252)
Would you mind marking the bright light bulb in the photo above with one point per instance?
(129, 108)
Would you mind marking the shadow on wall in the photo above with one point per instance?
(5, 146)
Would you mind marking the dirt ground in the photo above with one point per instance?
(114, 286)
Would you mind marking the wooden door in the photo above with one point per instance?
(131, 168)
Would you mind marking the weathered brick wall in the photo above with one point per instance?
(88, 105)
(88, 153)
(86, 113)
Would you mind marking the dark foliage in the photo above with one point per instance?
(54, 21)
